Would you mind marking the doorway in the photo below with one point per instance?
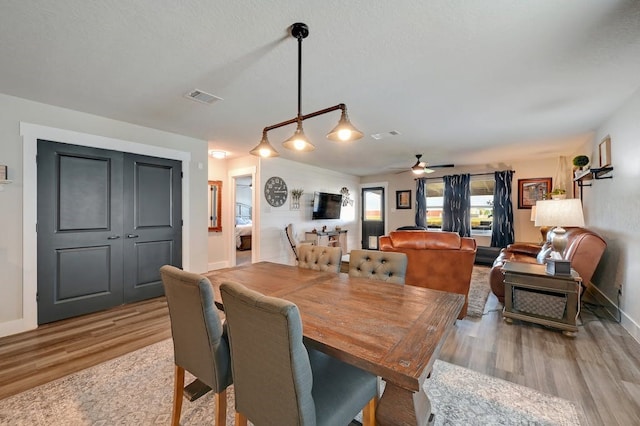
(243, 218)
(372, 216)
(107, 221)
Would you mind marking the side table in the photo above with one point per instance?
(531, 294)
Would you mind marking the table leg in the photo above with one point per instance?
(399, 406)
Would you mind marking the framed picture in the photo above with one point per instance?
(605, 152)
(532, 190)
(403, 199)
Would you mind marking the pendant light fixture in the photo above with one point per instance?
(344, 131)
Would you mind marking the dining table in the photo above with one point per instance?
(393, 331)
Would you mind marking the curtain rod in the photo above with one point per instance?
(470, 174)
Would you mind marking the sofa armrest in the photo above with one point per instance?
(531, 249)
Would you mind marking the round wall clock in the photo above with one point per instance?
(275, 191)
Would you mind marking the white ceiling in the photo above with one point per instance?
(462, 81)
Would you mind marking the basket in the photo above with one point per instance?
(540, 303)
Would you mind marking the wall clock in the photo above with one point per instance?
(275, 191)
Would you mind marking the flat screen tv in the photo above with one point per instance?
(326, 206)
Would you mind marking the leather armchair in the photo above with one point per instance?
(436, 260)
(584, 250)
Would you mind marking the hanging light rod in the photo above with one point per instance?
(344, 131)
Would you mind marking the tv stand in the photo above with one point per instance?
(329, 239)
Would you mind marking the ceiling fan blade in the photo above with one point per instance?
(439, 166)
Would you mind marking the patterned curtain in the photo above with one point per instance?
(502, 228)
(421, 203)
(456, 208)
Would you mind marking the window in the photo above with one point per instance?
(481, 210)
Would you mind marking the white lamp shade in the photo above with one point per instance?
(533, 214)
(559, 213)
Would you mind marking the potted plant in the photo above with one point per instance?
(295, 198)
(558, 194)
(581, 161)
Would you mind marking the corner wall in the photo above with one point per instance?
(612, 207)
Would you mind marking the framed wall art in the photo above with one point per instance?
(605, 152)
(403, 199)
(532, 190)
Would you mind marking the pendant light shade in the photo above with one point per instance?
(299, 141)
(344, 131)
(264, 148)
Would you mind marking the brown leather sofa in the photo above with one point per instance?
(435, 260)
(584, 250)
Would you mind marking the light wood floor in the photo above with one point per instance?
(599, 369)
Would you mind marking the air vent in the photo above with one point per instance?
(378, 136)
(202, 97)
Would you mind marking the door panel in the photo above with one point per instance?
(79, 229)
(153, 223)
(107, 222)
(373, 216)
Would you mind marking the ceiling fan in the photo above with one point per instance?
(421, 167)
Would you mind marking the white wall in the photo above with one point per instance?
(612, 209)
(13, 111)
(218, 252)
(274, 246)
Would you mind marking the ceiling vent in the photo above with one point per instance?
(378, 136)
(202, 97)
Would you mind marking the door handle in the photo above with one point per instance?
(113, 237)
(132, 236)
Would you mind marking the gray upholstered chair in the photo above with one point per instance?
(277, 380)
(200, 344)
(320, 258)
(378, 265)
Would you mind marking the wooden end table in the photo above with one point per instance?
(531, 294)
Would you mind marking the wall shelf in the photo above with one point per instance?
(591, 174)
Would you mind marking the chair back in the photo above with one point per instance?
(288, 230)
(271, 368)
(436, 260)
(378, 265)
(199, 344)
(319, 258)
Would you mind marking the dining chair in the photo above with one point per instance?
(378, 265)
(293, 241)
(279, 381)
(200, 344)
(320, 258)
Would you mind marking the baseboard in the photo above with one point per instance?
(217, 265)
(12, 327)
(632, 327)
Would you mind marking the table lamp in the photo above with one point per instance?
(543, 229)
(559, 213)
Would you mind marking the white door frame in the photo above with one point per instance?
(255, 220)
(30, 134)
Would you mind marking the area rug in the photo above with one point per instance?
(478, 290)
(136, 389)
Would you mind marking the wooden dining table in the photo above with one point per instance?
(390, 330)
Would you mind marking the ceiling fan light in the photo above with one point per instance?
(417, 170)
(428, 170)
(264, 148)
(344, 131)
(299, 141)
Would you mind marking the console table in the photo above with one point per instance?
(329, 238)
(531, 294)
